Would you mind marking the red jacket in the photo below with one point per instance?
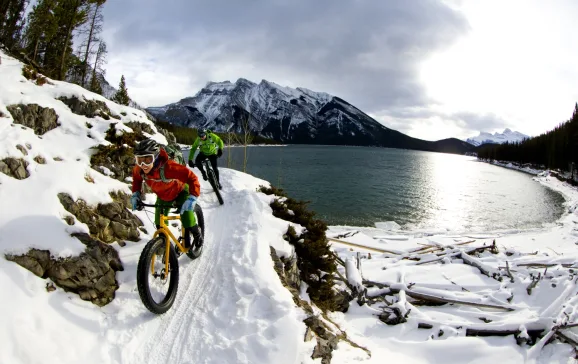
(176, 174)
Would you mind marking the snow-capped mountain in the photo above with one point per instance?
(497, 138)
(290, 115)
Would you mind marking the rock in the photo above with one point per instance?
(92, 274)
(58, 159)
(69, 220)
(22, 149)
(37, 261)
(88, 108)
(326, 340)
(40, 119)
(106, 222)
(15, 168)
(140, 127)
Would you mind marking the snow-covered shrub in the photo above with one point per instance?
(315, 260)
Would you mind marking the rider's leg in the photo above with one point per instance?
(200, 157)
(189, 220)
(159, 211)
(213, 160)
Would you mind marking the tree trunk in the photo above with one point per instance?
(70, 28)
(83, 81)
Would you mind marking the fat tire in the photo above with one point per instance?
(213, 182)
(194, 254)
(143, 272)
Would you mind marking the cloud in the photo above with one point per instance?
(366, 52)
(430, 123)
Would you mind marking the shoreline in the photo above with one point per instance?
(567, 191)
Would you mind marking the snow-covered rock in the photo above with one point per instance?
(497, 138)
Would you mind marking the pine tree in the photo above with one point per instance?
(96, 20)
(98, 69)
(41, 29)
(11, 21)
(121, 95)
(72, 14)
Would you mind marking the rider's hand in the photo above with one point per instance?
(135, 200)
(191, 163)
(189, 204)
(219, 153)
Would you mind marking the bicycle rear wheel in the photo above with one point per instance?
(153, 277)
(215, 185)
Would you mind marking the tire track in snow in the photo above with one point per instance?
(165, 343)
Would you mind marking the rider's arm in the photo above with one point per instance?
(174, 170)
(194, 148)
(136, 179)
(219, 141)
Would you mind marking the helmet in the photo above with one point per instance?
(147, 146)
(203, 133)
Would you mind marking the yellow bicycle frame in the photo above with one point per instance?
(164, 229)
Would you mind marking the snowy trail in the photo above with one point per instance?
(230, 308)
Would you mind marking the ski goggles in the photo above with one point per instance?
(144, 160)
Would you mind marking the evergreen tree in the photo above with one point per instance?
(121, 95)
(96, 20)
(99, 61)
(41, 29)
(11, 21)
(72, 14)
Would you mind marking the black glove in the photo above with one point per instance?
(191, 163)
(219, 153)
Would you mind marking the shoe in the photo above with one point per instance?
(204, 176)
(220, 186)
(197, 236)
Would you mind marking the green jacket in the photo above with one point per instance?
(207, 146)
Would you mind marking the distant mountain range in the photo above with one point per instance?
(296, 116)
(497, 138)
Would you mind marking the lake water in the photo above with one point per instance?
(359, 186)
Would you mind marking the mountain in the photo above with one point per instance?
(297, 116)
(497, 138)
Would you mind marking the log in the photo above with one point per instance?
(369, 283)
(491, 332)
(428, 297)
(363, 246)
(481, 266)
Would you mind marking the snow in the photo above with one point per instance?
(231, 307)
(497, 138)
(552, 301)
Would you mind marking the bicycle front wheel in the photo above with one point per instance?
(157, 284)
(214, 184)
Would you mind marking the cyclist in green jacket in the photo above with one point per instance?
(211, 147)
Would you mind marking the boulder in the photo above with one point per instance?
(40, 119)
(92, 274)
(15, 168)
(106, 222)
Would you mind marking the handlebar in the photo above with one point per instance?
(142, 205)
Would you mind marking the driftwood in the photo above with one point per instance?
(535, 281)
(512, 280)
(487, 271)
(428, 297)
(363, 246)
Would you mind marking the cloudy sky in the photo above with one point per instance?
(429, 68)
